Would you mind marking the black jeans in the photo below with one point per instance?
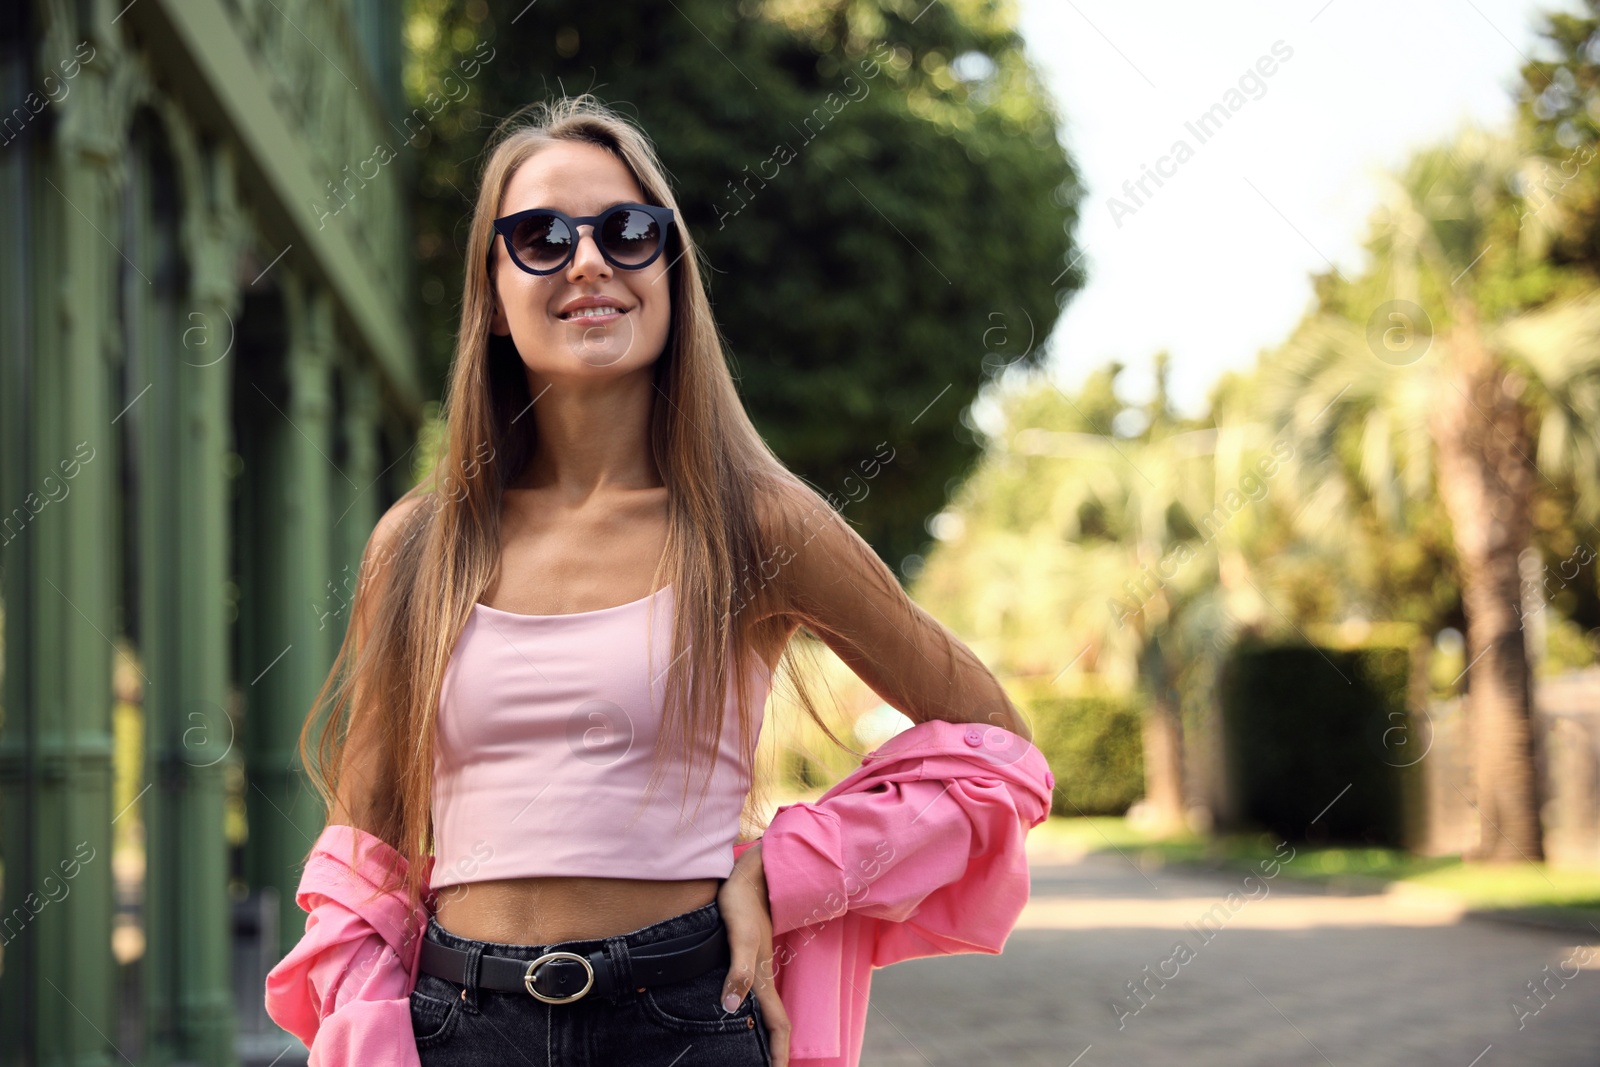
(680, 1024)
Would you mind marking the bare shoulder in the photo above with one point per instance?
(792, 513)
(403, 521)
(834, 583)
(392, 527)
(825, 570)
(782, 502)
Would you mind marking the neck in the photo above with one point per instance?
(591, 436)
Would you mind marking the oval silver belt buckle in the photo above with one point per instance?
(527, 978)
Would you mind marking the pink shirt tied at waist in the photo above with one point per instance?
(918, 852)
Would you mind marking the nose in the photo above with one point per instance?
(587, 262)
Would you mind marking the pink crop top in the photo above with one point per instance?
(547, 724)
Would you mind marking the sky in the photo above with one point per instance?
(1214, 265)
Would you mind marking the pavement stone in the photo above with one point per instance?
(1291, 975)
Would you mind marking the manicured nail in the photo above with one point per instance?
(732, 1001)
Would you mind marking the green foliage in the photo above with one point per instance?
(1093, 746)
(1567, 647)
(1534, 890)
(432, 441)
(879, 190)
(1405, 573)
(1302, 723)
(1559, 105)
(1466, 231)
(1073, 545)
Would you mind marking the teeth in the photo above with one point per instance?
(583, 313)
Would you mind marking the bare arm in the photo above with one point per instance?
(835, 584)
(361, 795)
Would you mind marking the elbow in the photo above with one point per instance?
(1006, 716)
(1010, 717)
(996, 708)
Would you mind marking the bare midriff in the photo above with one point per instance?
(543, 911)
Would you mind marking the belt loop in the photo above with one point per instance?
(470, 977)
(621, 965)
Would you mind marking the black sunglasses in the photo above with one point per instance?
(543, 240)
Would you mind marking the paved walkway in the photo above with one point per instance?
(1281, 975)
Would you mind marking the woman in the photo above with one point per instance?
(507, 684)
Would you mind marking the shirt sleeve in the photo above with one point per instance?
(344, 989)
(935, 850)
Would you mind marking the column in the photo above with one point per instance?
(293, 651)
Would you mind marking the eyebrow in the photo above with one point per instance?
(600, 211)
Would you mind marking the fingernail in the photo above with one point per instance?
(731, 1002)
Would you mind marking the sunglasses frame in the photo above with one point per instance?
(507, 224)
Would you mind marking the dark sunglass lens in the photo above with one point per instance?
(541, 241)
(630, 235)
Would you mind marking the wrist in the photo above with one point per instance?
(754, 867)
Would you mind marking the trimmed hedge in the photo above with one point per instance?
(1302, 723)
(1094, 747)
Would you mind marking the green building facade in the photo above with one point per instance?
(208, 395)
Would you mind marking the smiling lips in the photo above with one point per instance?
(593, 310)
(594, 314)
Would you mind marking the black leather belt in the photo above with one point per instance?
(562, 977)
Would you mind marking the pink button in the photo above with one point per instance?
(1050, 779)
(973, 736)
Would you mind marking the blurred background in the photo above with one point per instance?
(1241, 372)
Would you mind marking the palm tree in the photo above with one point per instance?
(1128, 533)
(1461, 362)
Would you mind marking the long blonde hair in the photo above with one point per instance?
(714, 464)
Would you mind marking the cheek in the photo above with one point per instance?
(524, 305)
(660, 325)
(662, 314)
(654, 297)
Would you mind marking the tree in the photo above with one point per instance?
(1558, 103)
(879, 190)
(1106, 563)
(1452, 359)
